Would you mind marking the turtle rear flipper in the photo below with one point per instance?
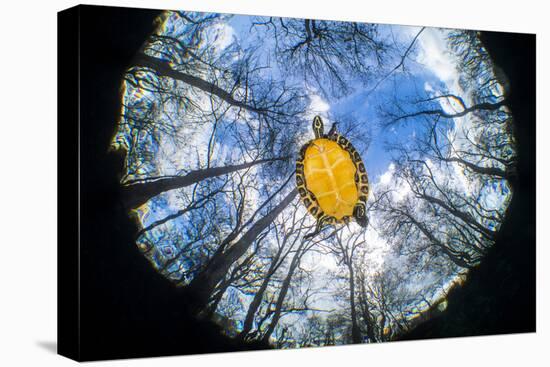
(322, 222)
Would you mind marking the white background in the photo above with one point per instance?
(28, 141)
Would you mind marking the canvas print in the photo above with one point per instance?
(277, 183)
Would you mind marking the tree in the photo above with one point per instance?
(210, 125)
(388, 306)
(231, 74)
(181, 88)
(137, 192)
(415, 231)
(239, 272)
(286, 235)
(326, 53)
(345, 250)
(227, 253)
(447, 175)
(276, 313)
(482, 140)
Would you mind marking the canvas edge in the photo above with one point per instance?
(68, 172)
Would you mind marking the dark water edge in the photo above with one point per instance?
(129, 310)
(500, 294)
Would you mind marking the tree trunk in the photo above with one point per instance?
(439, 112)
(355, 332)
(489, 171)
(217, 299)
(247, 325)
(137, 194)
(202, 286)
(383, 336)
(365, 310)
(283, 292)
(225, 283)
(255, 304)
(460, 261)
(465, 217)
(163, 69)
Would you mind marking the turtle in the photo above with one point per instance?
(331, 179)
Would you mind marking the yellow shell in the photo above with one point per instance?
(330, 176)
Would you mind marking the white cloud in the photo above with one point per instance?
(317, 106)
(386, 177)
(222, 35)
(433, 54)
(387, 180)
(428, 87)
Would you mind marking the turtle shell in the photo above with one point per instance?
(330, 177)
(361, 177)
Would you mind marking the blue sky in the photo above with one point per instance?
(362, 103)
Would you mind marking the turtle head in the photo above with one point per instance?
(360, 214)
(317, 127)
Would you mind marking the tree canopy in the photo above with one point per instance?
(215, 110)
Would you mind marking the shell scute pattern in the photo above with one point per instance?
(329, 173)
